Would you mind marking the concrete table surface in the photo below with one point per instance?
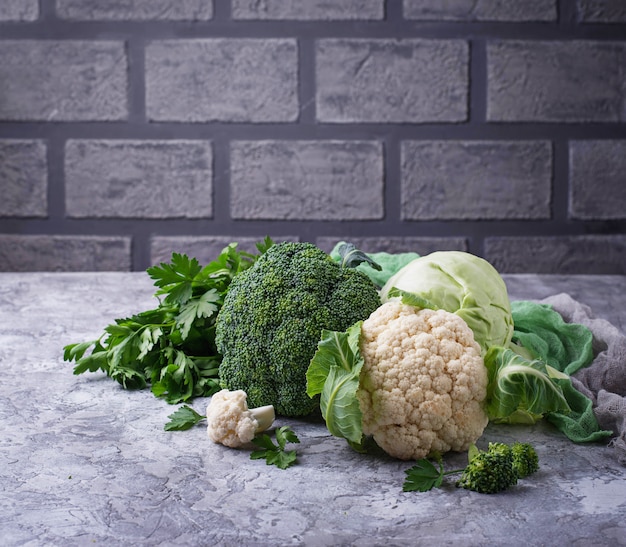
(83, 462)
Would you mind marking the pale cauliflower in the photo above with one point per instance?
(423, 381)
(230, 422)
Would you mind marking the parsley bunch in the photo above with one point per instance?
(171, 347)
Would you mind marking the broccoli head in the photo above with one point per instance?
(490, 471)
(525, 459)
(269, 326)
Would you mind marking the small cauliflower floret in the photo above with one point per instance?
(230, 422)
(428, 396)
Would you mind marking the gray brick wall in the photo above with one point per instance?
(576, 81)
(485, 10)
(397, 81)
(24, 176)
(63, 80)
(314, 10)
(476, 180)
(138, 179)
(131, 130)
(19, 10)
(313, 180)
(224, 79)
(134, 10)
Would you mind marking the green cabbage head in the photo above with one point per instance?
(460, 283)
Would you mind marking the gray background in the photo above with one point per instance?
(129, 130)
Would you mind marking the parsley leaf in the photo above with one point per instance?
(170, 348)
(184, 418)
(276, 454)
(423, 476)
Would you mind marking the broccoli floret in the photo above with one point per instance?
(272, 317)
(525, 459)
(490, 471)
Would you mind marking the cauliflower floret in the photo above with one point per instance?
(231, 423)
(423, 381)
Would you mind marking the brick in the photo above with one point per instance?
(308, 9)
(24, 178)
(405, 244)
(19, 10)
(307, 180)
(204, 248)
(577, 81)
(470, 180)
(483, 10)
(164, 10)
(399, 81)
(54, 80)
(597, 189)
(576, 254)
(602, 11)
(22, 253)
(138, 179)
(222, 79)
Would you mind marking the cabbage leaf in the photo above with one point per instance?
(520, 389)
(334, 373)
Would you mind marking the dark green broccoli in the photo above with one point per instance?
(525, 459)
(272, 317)
(488, 472)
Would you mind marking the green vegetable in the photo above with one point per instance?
(388, 263)
(172, 347)
(272, 318)
(334, 373)
(487, 472)
(521, 390)
(460, 283)
(542, 333)
(275, 454)
(183, 419)
(525, 459)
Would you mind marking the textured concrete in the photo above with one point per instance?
(83, 462)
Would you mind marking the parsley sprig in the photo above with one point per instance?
(171, 348)
(275, 454)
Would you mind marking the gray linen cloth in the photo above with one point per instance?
(604, 380)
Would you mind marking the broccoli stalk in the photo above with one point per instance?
(488, 472)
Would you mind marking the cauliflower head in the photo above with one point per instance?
(423, 381)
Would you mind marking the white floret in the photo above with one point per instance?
(230, 422)
(423, 381)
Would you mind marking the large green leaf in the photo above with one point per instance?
(522, 386)
(334, 372)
